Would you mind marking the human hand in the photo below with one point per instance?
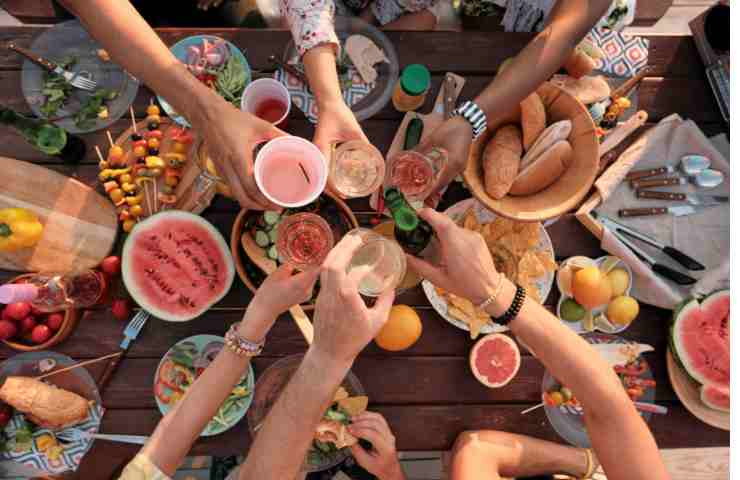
(280, 291)
(343, 325)
(455, 136)
(336, 124)
(231, 142)
(382, 460)
(466, 267)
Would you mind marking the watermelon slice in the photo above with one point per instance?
(495, 360)
(176, 265)
(716, 397)
(700, 342)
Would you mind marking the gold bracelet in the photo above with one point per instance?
(496, 293)
(240, 345)
(590, 464)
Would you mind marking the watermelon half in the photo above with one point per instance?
(700, 342)
(495, 360)
(176, 265)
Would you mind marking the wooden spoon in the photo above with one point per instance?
(269, 265)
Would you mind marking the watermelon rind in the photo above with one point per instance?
(704, 394)
(140, 298)
(674, 342)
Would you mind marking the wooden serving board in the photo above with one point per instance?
(430, 120)
(80, 225)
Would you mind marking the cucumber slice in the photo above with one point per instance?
(262, 238)
(272, 253)
(271, 218)
(273, 235)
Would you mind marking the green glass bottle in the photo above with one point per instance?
(45, 136)
(411, 232)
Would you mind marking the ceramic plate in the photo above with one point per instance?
(567, 421)
(207, 346)
(179, 50)
(485, 216)
(70, 39)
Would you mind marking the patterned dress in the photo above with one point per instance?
(312, 21)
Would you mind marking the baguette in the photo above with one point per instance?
(545, 169)
(45, 405)
(533, 119)
(501, 160)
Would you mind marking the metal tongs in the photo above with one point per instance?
(622, 232)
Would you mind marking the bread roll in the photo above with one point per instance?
(501, 160)
(553, 134)
(534, 119)
(44, 405)
(543, 172)
(586, 89)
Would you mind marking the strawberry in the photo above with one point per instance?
(7, 329)
(121, 309)
(18, 311)
(40, 334)
(55, 321)
(111, 266)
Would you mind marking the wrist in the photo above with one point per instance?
(485, 289)
(256, 322)
(503, 300)
(333, 365)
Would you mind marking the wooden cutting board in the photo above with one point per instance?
(430, 120)
(80, 225)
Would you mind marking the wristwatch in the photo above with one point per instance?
(474, 115)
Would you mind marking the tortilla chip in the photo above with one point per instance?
(500, 227)
(476, 324)
(353, 405)
(532, 291)
(531, 266)
(334, 432)
(530, 234)
(545, 258)
(340, 394)
(471, 221)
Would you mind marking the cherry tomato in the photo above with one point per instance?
(141, 142)
(154, 134)
(152, 110)
(140, 151)
(152, 143)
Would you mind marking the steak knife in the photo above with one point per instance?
(677, 211)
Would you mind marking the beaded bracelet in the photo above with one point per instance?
(240, 345)
(516, 306)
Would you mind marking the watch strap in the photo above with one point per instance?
(474, 115)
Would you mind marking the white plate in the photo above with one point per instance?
(578, 326)
(485, 216)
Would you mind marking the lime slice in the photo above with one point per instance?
(603, 324)
(588, 322)
(608, 264)
(571, 311)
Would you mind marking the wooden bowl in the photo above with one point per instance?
(568, 190)
(241, 258)
(71, 317)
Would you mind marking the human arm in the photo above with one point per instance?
(178, 430)
(382, 459)
(615, 428)
(569, 22)
(343, 327)
(231, 134)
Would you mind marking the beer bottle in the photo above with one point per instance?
(411, 232)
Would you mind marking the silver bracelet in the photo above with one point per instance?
(474, 115)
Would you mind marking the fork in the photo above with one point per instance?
(74, 434)
(73, 79)
(129, 333)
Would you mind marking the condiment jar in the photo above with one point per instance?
(412, 87)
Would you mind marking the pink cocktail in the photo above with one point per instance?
(304, 240)
(290, 171)
(414, 173)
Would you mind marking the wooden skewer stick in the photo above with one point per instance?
(305, 174)
(156, 196)
(100, 155)
(532, 409)
(81, 364)
(133, 119)
(110, 139)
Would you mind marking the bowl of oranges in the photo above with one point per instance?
(595, 294)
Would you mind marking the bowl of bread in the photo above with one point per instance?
(538, 162)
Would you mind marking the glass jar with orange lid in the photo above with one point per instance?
(412, 87)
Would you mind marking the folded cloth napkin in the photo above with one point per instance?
(704, 236)
(72, 454)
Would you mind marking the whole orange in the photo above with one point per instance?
(591, 288)
(402, 329)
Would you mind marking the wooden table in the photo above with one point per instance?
(427, 392)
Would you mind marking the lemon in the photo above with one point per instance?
(402, 329)
(619, 280)
(608, 264)
(622, 310)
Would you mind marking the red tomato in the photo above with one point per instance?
(40, 334)
(17, 311)
(27, 324)
(170, 376)
(7, 329)
(111, 265)
(55, 321)
(160, 390)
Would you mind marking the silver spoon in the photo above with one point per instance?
(694, 164)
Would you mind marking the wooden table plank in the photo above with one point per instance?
(439, 51)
